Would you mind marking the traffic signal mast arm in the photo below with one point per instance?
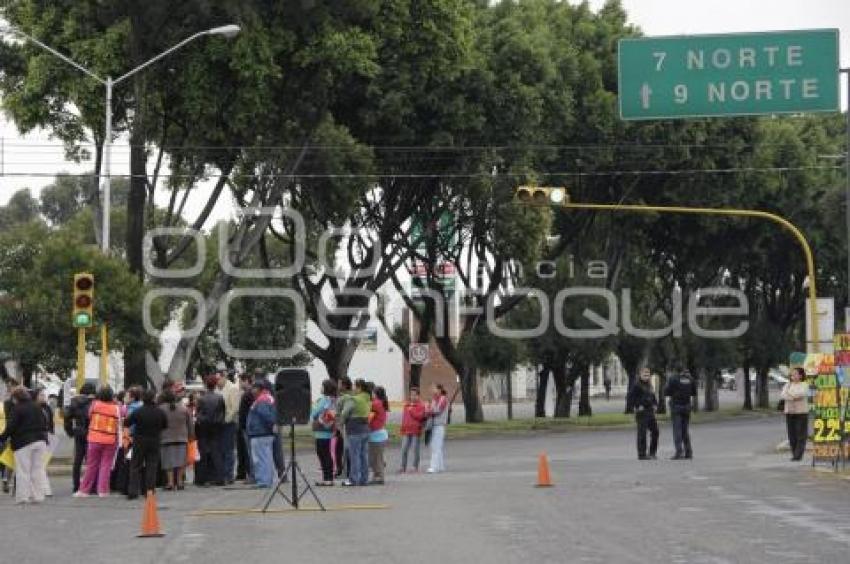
(539, 196)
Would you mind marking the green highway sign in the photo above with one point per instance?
(727, 75)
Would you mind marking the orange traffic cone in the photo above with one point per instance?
(543, 479)
(150, 521)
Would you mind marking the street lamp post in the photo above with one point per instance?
(227, 31)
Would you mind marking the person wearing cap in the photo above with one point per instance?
(680, 389)
(260, 427)
(641, 398)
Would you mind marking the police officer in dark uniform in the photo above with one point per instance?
(642, 399)
(680, 389)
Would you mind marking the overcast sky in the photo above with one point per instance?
(37, 154)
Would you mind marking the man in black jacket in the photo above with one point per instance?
(642, 399)
(209, 422)
(680, 389)
(77, 426)
(243, 449)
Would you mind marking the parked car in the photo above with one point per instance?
(775, 377)
(728, 381)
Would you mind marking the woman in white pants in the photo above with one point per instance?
(439, 412)
(27, 430)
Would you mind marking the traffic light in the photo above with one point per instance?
(542, 195)
(83, 314)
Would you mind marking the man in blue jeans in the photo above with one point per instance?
(680, 389)
(260, 428)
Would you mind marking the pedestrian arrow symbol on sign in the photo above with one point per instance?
(645, 93)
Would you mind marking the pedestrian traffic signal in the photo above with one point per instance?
(83, 311)
(542, 195)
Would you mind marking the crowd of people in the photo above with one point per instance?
(138, 440)
(349, 426)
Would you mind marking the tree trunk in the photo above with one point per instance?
(510, 396)
(416, 376)
(471, 399)
(748, 390)
(338, 359)
(761, 388)
(27, 369)
(468, 375)
(631, 375)
(542, 384)
(584, 409)
(697, 375)
(562, 398)
(662, 383)
(134, 354)
(711, 399)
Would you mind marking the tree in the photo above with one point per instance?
(70, 194)
(36, 272)
(21, 208)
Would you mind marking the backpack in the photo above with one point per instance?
(77, 417)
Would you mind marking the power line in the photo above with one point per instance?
(573, 174)
(413, 148)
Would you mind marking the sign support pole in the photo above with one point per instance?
(104, 355)
(847, 191)
(81, 357)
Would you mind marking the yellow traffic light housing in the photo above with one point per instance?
(542, 195)
(83, 310)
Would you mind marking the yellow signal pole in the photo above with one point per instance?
(731, 212)
(81, 357)
(104, 355)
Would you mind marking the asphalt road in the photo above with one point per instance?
(737, 501)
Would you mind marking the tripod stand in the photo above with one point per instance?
(295, 471)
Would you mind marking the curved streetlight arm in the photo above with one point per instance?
(73, 63)
(165, 53)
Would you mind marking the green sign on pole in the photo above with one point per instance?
(726, 75)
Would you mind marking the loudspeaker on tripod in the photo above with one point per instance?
(292, 396)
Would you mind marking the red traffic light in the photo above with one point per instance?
(83, 301)
(84, 283)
